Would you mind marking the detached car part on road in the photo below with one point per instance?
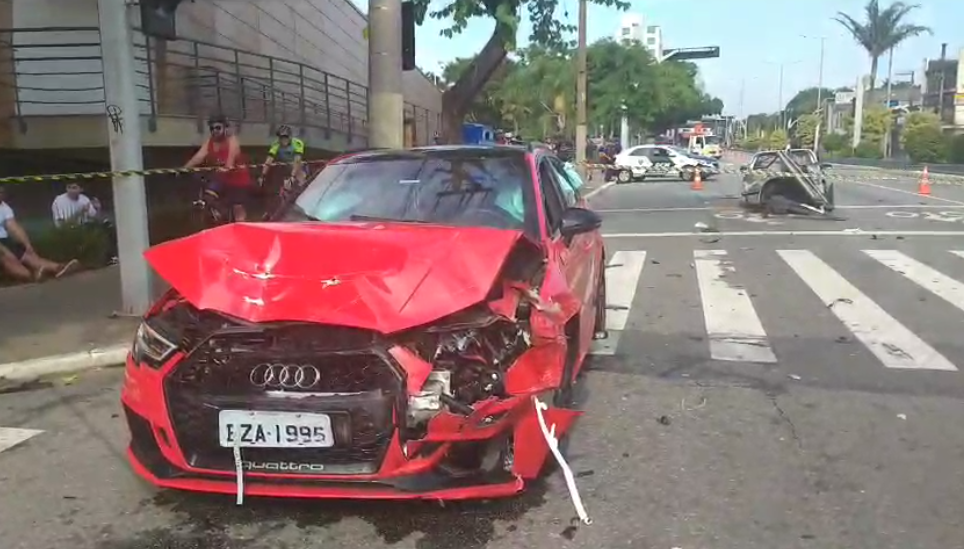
(638, 163)
(775, 181)
(390, 336)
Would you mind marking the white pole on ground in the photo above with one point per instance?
(130, 197)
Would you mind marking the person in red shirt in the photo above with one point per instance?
(235, 186)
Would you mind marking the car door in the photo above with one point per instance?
(662, 161)
(580, 256)
(753, 177)
(638, 160)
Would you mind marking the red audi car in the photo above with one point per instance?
(386, 336)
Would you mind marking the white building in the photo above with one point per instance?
(633, 27)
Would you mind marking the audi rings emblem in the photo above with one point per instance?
(285, 376)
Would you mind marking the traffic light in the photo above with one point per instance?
(408, 36)
(158, 18)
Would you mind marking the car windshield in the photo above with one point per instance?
(804, 157)
(476, 189)
(712, 140)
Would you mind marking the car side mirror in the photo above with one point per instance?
(825, 165)
(578, 221)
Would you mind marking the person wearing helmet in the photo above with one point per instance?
(223, 149)
(287, 149)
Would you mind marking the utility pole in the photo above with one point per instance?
(386, 104)
(816, 135)
(582, 107)
(940, 97)
(780, 101)
(862, 84)
(624, 128)
(885, 142)
(124, 133)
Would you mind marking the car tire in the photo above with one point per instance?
(624, 176)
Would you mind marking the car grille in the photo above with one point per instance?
(358, 389)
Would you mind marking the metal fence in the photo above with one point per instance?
(59, 71)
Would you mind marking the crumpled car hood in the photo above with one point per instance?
(378, 276)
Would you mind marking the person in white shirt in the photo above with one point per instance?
(17, 256)
(73, 207)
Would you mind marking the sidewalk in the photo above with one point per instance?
(56, 323)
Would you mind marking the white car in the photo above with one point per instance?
(642, 161)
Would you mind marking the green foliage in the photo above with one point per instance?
(805, 130)
(535, 95)
(835, 143)
(805, 101)
(956, 149)
(86, 243)
(777, 139)
(868, 149)
(923, 139)
(548, 29)
(877, 122)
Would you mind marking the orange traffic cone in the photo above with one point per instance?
(697, 184)
(924, 187)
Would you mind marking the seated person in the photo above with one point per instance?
(74, 208)
(17, 256)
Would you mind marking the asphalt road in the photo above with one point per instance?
(800, 391)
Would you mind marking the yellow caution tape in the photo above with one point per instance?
(128, 173)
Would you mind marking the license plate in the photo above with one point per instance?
(249, 429)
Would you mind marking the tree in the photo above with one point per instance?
(548, 30)
(882, 30)
(805, 101)
(537, 97)
(923, 139)
(877, 123)
(486, 106)
(805, 130)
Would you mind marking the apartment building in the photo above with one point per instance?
(633, 26)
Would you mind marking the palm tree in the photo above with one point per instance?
(882, 30)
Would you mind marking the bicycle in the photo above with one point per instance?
(287, 193)
(209, 210)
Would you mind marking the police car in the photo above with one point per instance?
(642, 161)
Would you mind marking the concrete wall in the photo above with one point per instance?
(326, 35)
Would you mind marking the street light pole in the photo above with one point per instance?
(386, 104)
(582, 128)
(780, 100)
(885, 144)
(124, 134)
(816, 135)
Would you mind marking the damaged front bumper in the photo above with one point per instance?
(446, 412)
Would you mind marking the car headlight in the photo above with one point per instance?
(151, 347)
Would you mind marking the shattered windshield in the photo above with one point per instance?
(462, 189)
(804, 157)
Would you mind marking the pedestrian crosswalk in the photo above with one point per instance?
(736, 332)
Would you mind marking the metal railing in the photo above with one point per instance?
(59, 71)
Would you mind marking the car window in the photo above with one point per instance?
(567, 185)
(803, 157)
(552, 199)
(457, 189)
(660, 152)
(769, 162)
(642, 151)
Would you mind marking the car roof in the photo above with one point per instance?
(440, 150)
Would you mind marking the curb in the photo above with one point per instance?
(29, 370)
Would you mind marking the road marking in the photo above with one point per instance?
(892, 343)
(926, 277)
(732, 325)
(622, 279)
(604, 186)
(646, 210)
(948, 200)
(843, 232)
(10, 437)
(958, 253)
